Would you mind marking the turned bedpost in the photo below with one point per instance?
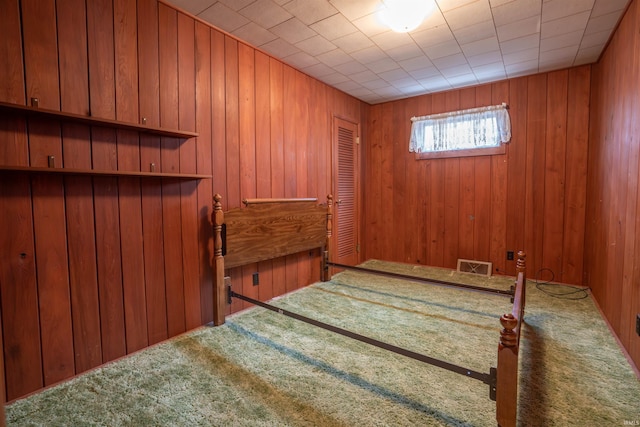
(508, 349)
(325, 257)
(219, 291)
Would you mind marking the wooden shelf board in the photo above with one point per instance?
(93, 121)
(93, 172)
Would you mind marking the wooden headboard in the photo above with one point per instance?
(265, 229)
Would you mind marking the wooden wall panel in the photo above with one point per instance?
(203, 115)
(481, 207)
(74, 97)
(123, 263)
(151, 192)
(612, 239)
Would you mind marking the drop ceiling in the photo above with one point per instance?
(462, 43)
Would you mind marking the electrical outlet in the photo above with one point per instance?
(638, 324)
(256, 279)
(509, 255)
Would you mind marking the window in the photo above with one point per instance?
(473, 132)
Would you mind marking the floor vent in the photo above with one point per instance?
(474, 267)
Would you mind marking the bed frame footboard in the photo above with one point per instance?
(508, 350)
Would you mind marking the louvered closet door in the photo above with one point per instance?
(346, 212)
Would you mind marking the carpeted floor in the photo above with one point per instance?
(264, 369)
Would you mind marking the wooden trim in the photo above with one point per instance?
(261, 201)
(93, 121)
(93, 172)
(472, 152)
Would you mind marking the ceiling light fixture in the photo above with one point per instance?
(403, 16)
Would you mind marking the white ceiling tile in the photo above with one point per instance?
(391, 39)
(556, 9)
(395, 74)
(446, 5)
(223, 17)
(561, 41)
(485, 58)
(564, 25)
(319, 70)
(351, 67)
(383, 65)
(469, 14)
(310, 11)
(370, 25)
(515, 11)
(435, 84)
(369, 55)
(461, 70)
(433, 36)
(405, 52)
(463, 80)
(375, 84)
(479, 31)
(343, 43)
(364, 76)
(265, 13)
(279, 48)
(193, 6)
(517, 29)
(603, 7)
(354, 9)
(405, 84)
(602, 23)
(334, 26)
(424, 73)
(254, 34)
(293, 31)
(521, 43)
(521, 68)
(334, 58)
(588, 55)
(236, 4)
(442, 50)
(416, 63)
(450, 61)
(480, 46)
(490, 72)
(353, 42)
(521, 56)
(335, 78)
(595, 39)
(316, 45)
(301, 60)
(347, 86)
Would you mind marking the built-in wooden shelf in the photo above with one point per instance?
(93, 121)
(93, 172)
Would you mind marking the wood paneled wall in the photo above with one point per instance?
(533, 197)
(94, 268)
(612, 249)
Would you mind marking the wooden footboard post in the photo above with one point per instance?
(326, 276)
(219, 291)
(508, 350)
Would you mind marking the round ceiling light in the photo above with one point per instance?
(403, 16)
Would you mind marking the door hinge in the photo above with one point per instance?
(358, 248)
(357, 140)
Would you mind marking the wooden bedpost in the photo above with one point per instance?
(325, 256)
(219, 291)
(508, 349)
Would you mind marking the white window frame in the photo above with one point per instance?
(472, 132)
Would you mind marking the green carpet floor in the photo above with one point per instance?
(265, 369)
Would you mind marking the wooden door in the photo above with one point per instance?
(346, 242)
